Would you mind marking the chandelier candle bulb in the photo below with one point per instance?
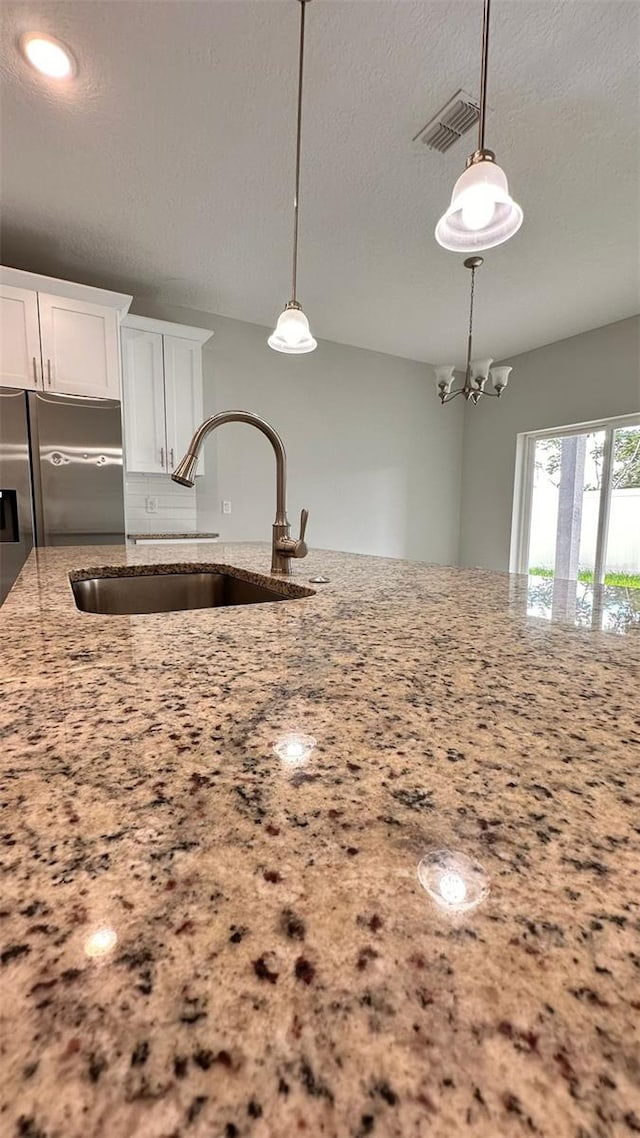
(500, 378)
(444, 377)
(480, 371)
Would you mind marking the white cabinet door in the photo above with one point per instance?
(145, 442)
(20, 361)
(183, 395)
(79, 347)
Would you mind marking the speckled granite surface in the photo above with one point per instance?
(278, 968)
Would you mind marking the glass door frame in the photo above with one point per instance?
(523, 488)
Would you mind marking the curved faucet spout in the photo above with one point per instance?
(283, 546)
(185, 472)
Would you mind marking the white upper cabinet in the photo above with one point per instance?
(20, 360)
(162, 392)
(79, 347)
(143, 401)
(59, 336)
(182, 395)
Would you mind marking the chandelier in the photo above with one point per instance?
(477, 371)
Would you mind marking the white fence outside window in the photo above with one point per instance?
(623, 545)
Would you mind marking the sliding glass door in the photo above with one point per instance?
(577, 518)
(622, 536)
(565, 505)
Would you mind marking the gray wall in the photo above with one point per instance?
(591, 376)
(371, 452)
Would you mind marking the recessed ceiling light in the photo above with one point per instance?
(48, 55)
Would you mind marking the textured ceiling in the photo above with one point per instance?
(166, 168)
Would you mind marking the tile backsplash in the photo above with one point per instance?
(176, 505)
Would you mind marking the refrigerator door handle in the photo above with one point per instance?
(58, 398)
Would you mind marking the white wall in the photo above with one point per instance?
(371, 452)
(592, 376)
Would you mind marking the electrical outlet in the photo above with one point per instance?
(226, 507)
(151, 505)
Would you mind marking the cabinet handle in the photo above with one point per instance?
(35, 372)
(171, 459)
(49, 372)
(162, 456)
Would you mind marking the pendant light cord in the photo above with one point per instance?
(296, 198)
(483, 74)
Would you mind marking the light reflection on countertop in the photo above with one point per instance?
(100, 942)
(454, 881)
(201, 936)
(295, 748)
(606, 608)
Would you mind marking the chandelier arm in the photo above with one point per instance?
(296, 196)
(483, 74)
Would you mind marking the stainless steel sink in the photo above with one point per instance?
(135, 594)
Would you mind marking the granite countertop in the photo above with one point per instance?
(202, 937)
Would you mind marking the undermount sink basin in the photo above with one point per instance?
(133, 594)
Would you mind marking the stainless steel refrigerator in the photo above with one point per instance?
(61, 477)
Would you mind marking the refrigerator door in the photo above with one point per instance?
(78, 480)
(16, 520)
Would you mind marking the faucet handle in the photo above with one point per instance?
(300, 546)
(292, 546)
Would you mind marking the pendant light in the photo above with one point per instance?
(482, 213)
(292, 334)
(477, 371)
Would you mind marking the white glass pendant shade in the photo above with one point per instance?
(292, 334)
(480, 370)
(500, 377)
(482, 213)
(444, 377)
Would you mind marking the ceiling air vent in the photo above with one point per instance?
(455, 119)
